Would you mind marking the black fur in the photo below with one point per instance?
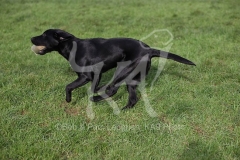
(109, 51)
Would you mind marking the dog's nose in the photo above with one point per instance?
(32, 39)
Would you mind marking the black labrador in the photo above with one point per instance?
(98, 55)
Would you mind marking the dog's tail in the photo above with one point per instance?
(168, 55)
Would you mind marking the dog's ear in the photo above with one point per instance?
(62, 35)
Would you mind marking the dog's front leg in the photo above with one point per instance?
(80, 81)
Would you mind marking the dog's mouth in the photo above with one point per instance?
(38, 49)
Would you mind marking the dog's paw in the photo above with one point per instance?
(68, 100)
(127, 107)
(92, 98)
(96, 98)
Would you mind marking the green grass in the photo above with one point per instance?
(198, 107)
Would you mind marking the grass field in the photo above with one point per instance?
(198, 108)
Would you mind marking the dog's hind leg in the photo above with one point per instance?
(132, 98)
(113, 87)
(109, 92)
(132, 89)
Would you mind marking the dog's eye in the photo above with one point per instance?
(55, 35)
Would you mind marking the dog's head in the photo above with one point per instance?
(49, 41)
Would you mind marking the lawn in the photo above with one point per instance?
(196, 109)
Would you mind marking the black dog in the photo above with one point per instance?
(103, 54)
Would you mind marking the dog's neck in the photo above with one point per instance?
(65, 49)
